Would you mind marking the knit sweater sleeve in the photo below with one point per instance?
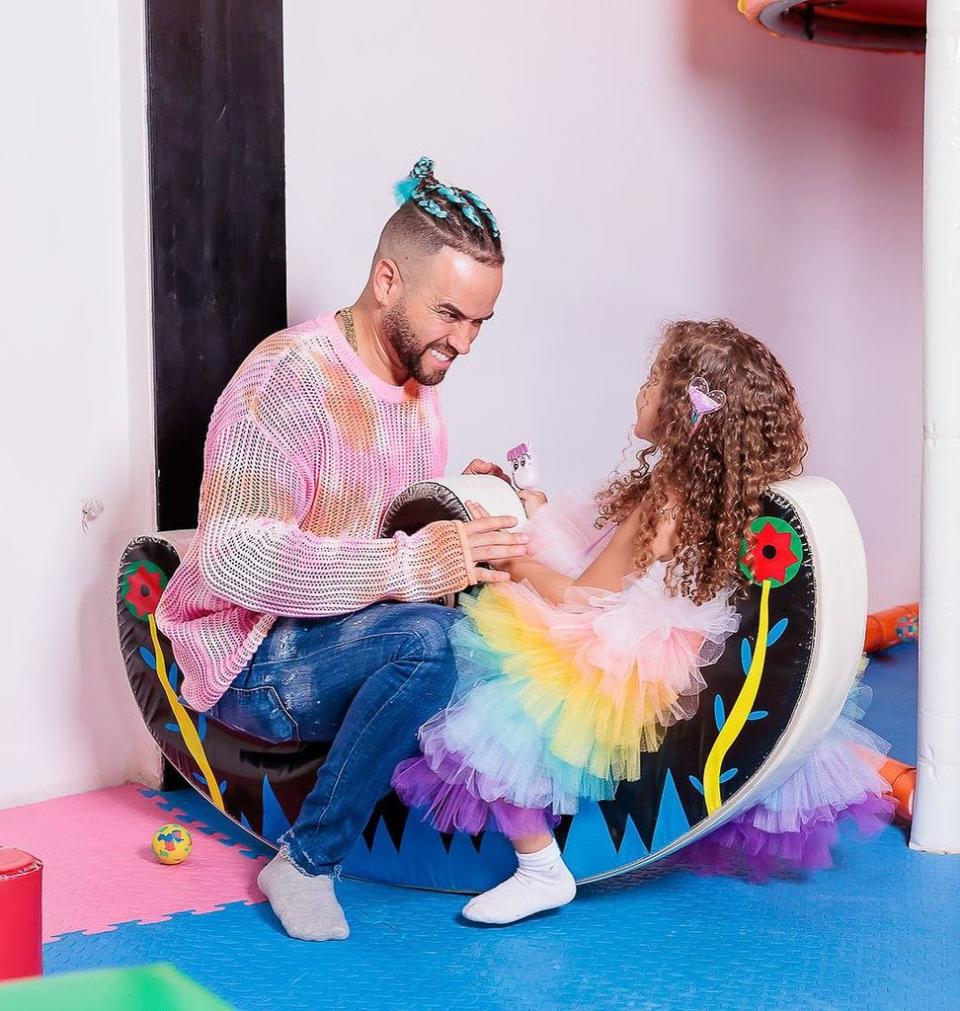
(253, 551)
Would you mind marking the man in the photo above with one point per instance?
(278, 614)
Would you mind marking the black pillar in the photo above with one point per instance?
(216, 156)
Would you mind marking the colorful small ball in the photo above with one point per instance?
(171, 844)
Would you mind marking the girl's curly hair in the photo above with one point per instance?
(714, 472)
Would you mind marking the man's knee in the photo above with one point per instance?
(427, 628)
(427, 641)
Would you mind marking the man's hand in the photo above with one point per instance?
(490, 542)
(551, 585)
(485, 467)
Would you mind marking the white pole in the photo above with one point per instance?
(936, 815)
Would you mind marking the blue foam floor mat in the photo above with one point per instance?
(879, 931)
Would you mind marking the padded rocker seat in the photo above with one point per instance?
(814, 636)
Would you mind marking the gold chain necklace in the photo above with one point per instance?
(348, 329)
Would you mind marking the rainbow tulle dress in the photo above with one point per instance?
(558, 703)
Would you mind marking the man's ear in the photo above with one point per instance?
(387, 283)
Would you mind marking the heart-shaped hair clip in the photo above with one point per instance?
(704, 400)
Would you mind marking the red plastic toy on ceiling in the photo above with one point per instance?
(884, 25)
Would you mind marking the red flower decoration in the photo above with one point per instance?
(142, 585)
(771, 554)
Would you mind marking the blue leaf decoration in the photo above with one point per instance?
(697, 785)
(746, 655)
(174, 728)
(172, 673)
(719, 713)
(149, 658)
(202, 780)
(728, 775)
(758, 714)
(777, 630)
(202, 727)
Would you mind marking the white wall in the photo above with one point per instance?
(74, 412)
(646, 160)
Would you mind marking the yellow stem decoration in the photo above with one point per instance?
(742, 708)
(190, 736)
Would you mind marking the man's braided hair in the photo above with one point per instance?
(434, 215)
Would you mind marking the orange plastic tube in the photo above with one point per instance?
(887, 628)
(903, 781)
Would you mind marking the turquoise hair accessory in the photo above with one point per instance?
(419, 186)
(467, 206)
(430, 206)
(481, 206)
(406, 189)
(456, 197)
(448, 194)
(423, 168)
(403, 190)
(471, 215)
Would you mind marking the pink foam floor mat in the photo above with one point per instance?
(99, 871)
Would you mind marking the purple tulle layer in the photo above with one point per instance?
(741, 847)
(453, 808)
(738, 847)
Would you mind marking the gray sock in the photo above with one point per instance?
(306, 905)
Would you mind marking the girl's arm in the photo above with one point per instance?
(549, 584)
(606, 572)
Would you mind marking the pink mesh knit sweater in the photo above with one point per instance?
(305, 451)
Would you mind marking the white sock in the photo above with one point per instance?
(541, 881)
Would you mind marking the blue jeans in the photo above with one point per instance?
(365, 681)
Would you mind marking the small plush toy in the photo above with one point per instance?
(171, 844)
(526, 473)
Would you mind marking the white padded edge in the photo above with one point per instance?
(840, 586)
(493, 493)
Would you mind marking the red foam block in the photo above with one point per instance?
(20, 914)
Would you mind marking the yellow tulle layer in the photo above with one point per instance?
(598, 720)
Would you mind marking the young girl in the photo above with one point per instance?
(572, 670)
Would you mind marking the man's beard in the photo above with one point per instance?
(398, 331)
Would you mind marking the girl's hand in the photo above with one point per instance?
(486, 467)
(532, 501)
